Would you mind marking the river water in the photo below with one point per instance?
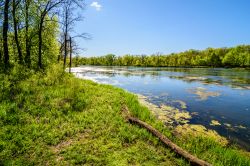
(217, 98)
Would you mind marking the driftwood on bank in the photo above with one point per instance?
(192, 159)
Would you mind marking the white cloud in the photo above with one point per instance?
(96, 5)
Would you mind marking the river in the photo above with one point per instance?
(217, 98)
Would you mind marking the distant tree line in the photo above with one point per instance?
(238, 56)
(35, 33)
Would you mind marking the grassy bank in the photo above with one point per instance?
(53, 118)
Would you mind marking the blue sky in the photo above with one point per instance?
(150, 26)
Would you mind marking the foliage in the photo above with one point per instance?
(30, 32)
(238, 56)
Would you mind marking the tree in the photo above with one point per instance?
(69, 18)
(27, 32)
(1, 29)
(30, 29)
(45, 9)
(15, 4)
(214, 60)
(109, 59)
(5, 33)
(220, 57)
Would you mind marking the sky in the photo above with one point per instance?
(162, 26)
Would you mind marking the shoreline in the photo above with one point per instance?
(178, 121)
(170, 115)
(184, 67)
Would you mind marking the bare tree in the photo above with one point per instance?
(69, 18)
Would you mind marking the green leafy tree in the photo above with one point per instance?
(210, 57)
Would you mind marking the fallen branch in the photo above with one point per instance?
(192, 159)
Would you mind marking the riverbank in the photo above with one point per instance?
(216, 98)
(55, 119)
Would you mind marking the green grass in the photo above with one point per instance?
(53, 118)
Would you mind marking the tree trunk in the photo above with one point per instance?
(27, 40)
(20, 56)
(0, 54)
(0, 50)
(65, 51)
(65, 38)
(5, 33)
(70, 59)
(40, 45)
(48, 7)
(192, 159)
(40, 40)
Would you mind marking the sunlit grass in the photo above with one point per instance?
(57, 119)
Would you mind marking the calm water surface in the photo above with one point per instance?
(216, 94)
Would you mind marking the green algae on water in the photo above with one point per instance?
(172, 116)
(202, 93)
(215, 123)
